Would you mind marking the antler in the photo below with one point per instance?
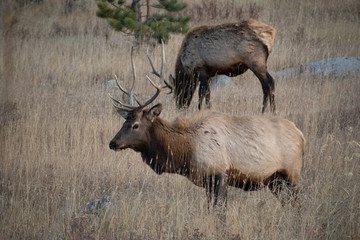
(167, 85)
(129, 93)
(129, 107)
(158, 87)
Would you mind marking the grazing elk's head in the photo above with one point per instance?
(135, 133)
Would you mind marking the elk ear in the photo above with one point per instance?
(154, 111)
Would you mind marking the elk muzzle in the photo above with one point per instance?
(112, 145)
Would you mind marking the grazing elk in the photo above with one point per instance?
(213, 150)
(228, 49)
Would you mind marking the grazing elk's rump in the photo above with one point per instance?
(229, 49)
(213, 149)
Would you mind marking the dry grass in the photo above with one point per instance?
(56, 122)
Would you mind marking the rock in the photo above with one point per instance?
(110, 84)
(221, 81)
(333, 67)
(95, 206)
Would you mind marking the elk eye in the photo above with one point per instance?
(136, 126)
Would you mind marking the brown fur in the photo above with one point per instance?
(244, 152)
(228, 49)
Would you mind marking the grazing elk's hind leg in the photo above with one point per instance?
(268, 86)
(272, 92)
(257, 64)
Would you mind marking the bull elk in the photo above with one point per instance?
(228, 49)
(212, 149)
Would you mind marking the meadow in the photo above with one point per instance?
(57, 120)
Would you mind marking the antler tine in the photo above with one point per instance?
(152, 66)
(134, 74)
(162, 62)
(130, 92)
(123, 106)
(126, 106)
(119, 85)
(150, 100)
(167, 85)
(158, 87)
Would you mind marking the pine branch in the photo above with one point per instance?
(158, 26)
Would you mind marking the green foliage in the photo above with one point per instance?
(171, 5)
(158, 26)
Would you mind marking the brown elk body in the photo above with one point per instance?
(228, 49)
(214, 150)
(244, 152)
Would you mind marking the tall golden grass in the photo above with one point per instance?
(57, 120)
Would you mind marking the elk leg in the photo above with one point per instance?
(271, 92)
(207, 98)
(207, 183)
(220, 191)
(268, 86)
(204, 91)
(220, 198)
(281, 184)
(265, 100)
(216, 187)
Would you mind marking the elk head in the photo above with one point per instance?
(134, 133)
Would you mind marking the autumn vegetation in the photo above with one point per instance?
(57, 120)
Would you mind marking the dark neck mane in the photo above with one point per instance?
(171, 147)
